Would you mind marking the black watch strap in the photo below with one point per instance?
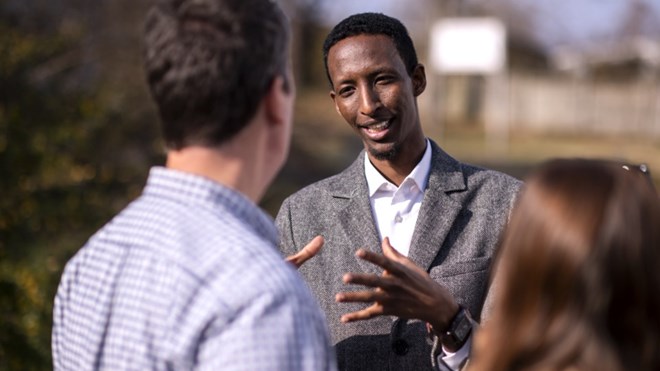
(458, 331)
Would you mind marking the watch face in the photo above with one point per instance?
(463, 328)
(459, 330)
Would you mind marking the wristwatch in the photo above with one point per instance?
(458, 331)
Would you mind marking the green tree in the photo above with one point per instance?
(73, 151)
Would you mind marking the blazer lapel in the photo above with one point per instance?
(438, 211)
(355, 217)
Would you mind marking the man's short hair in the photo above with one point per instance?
(373, 24)
(210, 62)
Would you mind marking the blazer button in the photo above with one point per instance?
(400, 347)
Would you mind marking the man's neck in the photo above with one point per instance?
(223, 167)
(396, 170)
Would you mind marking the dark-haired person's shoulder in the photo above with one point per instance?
(478, 174)
(341, 185)
(319, 201)
(491, 184)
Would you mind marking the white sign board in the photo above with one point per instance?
(468, 46)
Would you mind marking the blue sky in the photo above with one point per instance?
(584, 20)
(557, 21)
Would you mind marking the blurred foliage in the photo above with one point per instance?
(73, 151)
(78, 134)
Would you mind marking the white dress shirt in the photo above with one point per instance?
(395, 210)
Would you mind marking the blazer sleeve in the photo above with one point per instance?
(286, 244)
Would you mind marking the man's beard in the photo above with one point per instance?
(387, 155)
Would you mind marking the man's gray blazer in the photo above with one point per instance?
(462, 213)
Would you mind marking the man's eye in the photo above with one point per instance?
(345, 92)
(384, 80)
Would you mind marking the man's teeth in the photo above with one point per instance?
(378, 127)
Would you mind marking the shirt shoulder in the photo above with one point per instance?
(158, 274)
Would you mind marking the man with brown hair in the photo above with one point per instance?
(188, 276)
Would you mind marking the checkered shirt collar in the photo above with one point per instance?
(195, 189)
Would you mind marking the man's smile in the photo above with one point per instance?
(376, 130)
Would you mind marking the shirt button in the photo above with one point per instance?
(398, 219)
(400, 347)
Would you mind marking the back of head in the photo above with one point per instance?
(373, 24)
(577, 273)
(210, 62)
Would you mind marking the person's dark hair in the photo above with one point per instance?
(373, 24)
(577, 277)
(210, 62)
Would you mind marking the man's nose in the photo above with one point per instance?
(369, 101)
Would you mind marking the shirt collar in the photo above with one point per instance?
(419, 175)
(194, 189)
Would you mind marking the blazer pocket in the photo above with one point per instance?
(467, 280)
(461, 267)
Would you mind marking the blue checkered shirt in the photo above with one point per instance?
(186, 277)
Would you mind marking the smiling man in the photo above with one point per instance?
(406, 220)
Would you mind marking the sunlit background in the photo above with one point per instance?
(78, 133)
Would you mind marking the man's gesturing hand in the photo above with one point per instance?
(309, 251)
(403, 290)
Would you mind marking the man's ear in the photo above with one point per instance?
(276, 101)
(418, 78)
(333, 95)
